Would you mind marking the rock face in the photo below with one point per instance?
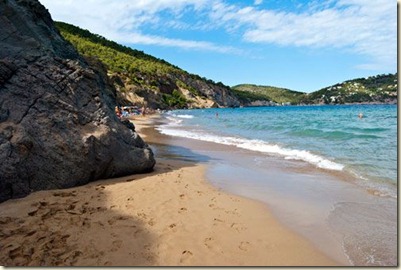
(209, 95)
(57, 123)
(221, 95)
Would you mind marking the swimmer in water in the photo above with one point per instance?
(360, 115)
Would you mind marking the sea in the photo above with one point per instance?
(325, 172)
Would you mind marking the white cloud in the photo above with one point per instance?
(116, 15)
(122, 20)
(137, 38)
(366, 28)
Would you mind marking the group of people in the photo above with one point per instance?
(126, 111)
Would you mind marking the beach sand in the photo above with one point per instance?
(170, 217)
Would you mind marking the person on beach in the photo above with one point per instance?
(117, 110)
(124, 113)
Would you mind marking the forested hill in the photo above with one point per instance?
(141, 79)
(249, 93)
(375, 89)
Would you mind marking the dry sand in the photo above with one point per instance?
(169, 217)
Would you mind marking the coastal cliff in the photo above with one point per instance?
(142, 79)
(57, 124)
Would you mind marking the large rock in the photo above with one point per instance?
(57, 123)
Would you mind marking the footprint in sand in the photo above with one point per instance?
(217, 221)
(15, 252)
(238, 227)
(100, 209)
(43, 203)
(186, 256)
(244, 246)
(116, 245)
(208, 242)
(148, 256)
(108, 263)
(172, 228)
(151, 222)
(116, 218)
(33, 213)
(31, 233)
(100, 187)
(70, 207)
(182, 209)
(86, 223)
(232, 212)
(99, 223)
(142, 215)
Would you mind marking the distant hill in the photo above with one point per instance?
(249, 93)
(141, 79)
(375, 89)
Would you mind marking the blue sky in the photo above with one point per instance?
(300, 45)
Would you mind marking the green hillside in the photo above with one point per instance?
(375, 89)
(143, 79)
(252, 92)
(380, 88)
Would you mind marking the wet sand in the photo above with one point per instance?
(170, 217)
(344, 221)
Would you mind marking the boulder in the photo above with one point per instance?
(57, 123)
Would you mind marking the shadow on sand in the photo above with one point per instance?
(80, 227)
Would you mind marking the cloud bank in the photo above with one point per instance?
(365, 28)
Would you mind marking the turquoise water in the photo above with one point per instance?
(329, 137)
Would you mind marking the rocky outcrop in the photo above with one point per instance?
(57, 124)
(221, 95)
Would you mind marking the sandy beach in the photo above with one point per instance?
(170, 217)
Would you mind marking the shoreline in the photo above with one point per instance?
(197, 148)
(319, 205)
(172, 216)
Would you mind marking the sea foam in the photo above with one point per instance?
(185, 116)
(253, 145)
